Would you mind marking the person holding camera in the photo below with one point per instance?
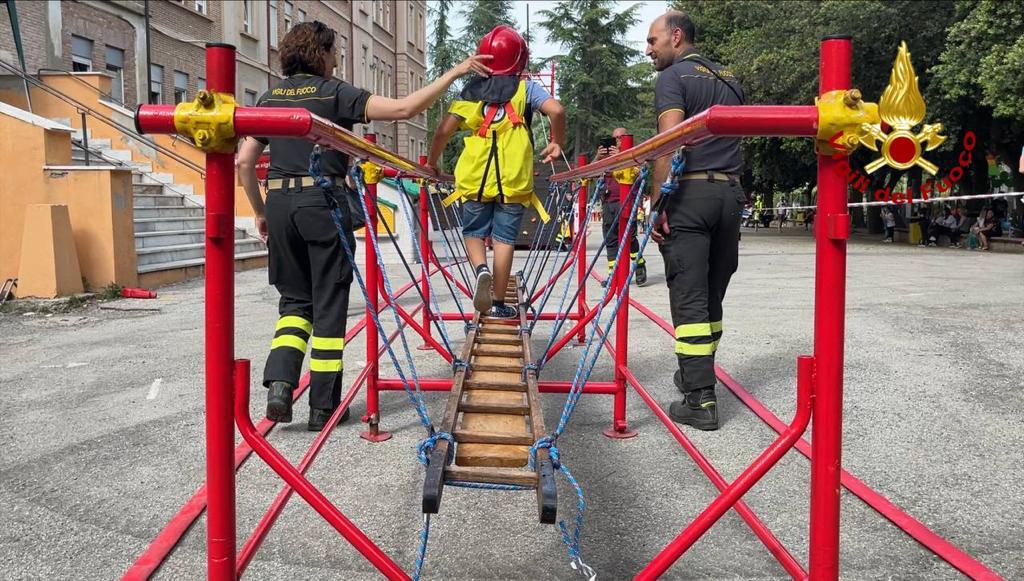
(610, 202)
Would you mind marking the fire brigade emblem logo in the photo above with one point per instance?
(902, 107)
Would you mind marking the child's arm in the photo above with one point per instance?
(442, 134)
(556, 113)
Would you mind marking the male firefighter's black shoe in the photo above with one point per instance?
(318, 418)
(641, 274)
(698, 409)
(279, 401)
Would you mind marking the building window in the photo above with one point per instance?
(409, 24)
(421, 30)
(81, 54)
(391, 80)
(247, 16)
(412, 146)
(376, 75)
(287, 16)
(387, 16)
(250, 98)
(200, 84)
(273, 22)
(343, 58)
(156, 83)
(201, 6)
(422, 150)
(302, 15)
(115, 66)
(363, 65)
(180, 87)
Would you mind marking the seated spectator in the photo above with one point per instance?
(960, 227)
(947, 225)
(988, 227)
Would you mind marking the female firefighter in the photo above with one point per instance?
(307, 261)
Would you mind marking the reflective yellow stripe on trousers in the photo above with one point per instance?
(690, 331)
(322, 365)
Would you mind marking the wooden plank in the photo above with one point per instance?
(491, 475)
(493, 322)
(485, 350)
(498, 386)
(499, 340)
(503, 376)
(495, 402)
(476, 437)
(498, 328)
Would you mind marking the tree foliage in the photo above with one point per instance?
(968, 55)
(598, 75)
(480, 17)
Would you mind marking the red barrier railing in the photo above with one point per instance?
(819, 385)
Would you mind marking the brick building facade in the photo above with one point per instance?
(381, 46)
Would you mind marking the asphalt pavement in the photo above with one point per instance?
(103, 434)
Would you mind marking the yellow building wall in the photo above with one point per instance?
(99, 203)
(85, 88)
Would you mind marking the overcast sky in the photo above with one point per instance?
(542, 48)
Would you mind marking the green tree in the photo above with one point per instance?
(979, 79)
(481, 16)
(443, 55)
(595, 73)
(968, 55)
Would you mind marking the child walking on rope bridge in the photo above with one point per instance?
(494, 174)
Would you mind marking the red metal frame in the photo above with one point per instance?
(819, 384)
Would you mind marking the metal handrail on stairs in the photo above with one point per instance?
(83, 109)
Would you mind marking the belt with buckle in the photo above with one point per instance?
(711, 176)
(295, 183)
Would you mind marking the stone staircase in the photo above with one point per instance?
(169, 218)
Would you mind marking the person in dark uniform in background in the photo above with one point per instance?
(698, 231)
(609, 219)
(307, 262)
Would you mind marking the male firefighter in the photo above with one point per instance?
(610, 201)
(307, 262)
(698, 230)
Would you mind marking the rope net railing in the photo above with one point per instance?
(570, 202)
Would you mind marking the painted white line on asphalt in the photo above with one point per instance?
(154, 389)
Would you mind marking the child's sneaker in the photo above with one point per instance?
(482, 296)
(503, 311)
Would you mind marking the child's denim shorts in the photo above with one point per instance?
(498, 220)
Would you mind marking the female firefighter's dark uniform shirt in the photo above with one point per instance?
(334, 100)
(307, 263)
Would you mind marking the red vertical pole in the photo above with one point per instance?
(220, 332)
(373, 432)
(425, 256)
(581, 252)
(831, 231)
(620, 429)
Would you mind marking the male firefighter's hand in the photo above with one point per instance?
(475, 64)
(660, 230)
(550, 153)
(261, 227)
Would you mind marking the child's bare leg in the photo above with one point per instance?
(477, 251)
(502, 267)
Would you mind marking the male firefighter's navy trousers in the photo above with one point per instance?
(610, 229)
(701, 254)
(310, 269)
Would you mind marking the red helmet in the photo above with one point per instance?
(508, 49)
